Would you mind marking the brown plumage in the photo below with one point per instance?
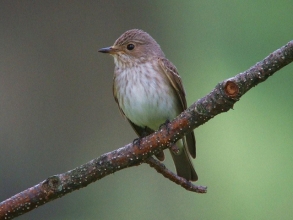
(149, 91)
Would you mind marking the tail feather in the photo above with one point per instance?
(191, 144)
(183, 164)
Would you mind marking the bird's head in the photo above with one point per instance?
(134, 46)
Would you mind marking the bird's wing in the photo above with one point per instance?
(172, 74)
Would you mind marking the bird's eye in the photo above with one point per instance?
(130, 47)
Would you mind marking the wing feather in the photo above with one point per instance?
(172, 74)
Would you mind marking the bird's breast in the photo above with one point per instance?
(145, 95)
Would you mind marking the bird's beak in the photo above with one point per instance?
(110, 50)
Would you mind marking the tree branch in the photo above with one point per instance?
(161, 168)
(221, 99)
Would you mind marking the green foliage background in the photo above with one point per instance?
(57, 110)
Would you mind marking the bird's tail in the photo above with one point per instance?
(183, 164)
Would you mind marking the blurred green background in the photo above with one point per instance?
(57, 110)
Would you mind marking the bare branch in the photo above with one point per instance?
(161, 168)
(221, 99)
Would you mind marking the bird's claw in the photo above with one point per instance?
(165, 124)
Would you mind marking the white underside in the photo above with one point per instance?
(146, 102)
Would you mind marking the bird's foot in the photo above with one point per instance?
(175, 149)
(143, 134)
(165, 124)
(137, 141)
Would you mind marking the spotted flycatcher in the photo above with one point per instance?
(149, 92)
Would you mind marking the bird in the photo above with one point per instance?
(149, 92)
